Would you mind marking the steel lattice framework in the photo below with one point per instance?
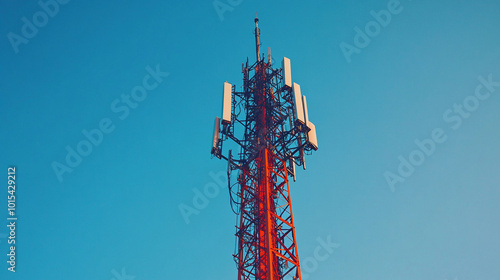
(271, 142)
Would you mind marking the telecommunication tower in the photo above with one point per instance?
(268, 123)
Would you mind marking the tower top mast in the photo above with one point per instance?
(257, 38)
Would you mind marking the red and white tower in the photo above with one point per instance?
(268, 124)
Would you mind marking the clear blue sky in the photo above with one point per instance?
(119, 207)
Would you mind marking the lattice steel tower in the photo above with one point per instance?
(268, 124)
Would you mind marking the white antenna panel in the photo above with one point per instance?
(216, 134)
(299, 109)
(311, 136)
(287, 72)
(227, 102)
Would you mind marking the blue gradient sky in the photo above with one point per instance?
(119, 207)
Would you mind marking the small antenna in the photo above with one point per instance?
(269, 56)
(257, 39)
